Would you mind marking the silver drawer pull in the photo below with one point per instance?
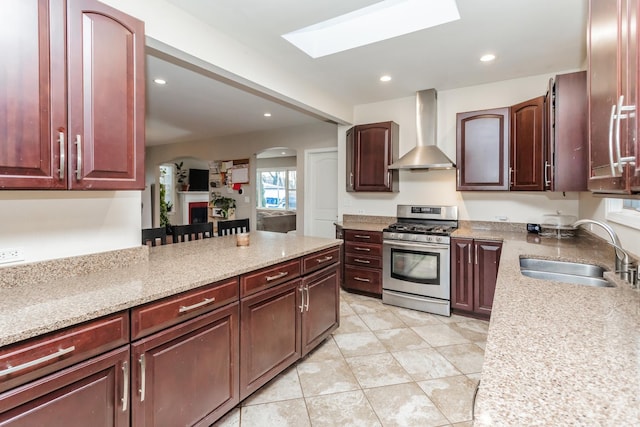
(143, 377)
(63, 157)
(125, 386)
(360, 279)
(79, 159)
(184, 309)
(277, 276)
(61, 352)
(362, 249)
(361, 236)
(362, 261)
(325, 259)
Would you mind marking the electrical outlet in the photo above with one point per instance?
(11, 255)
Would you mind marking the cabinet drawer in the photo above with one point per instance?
(24, 361)
(320, 260)
(267, 277)
(363, 279)
(158, 315)
(363, 236)
(357, 248)
(363, 261)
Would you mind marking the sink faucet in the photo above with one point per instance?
(623, 263)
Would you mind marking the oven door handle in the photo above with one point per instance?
(413, 245)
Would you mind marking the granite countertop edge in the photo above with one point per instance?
(33, 309)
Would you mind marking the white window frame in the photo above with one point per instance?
(286, 169)
(616, 213)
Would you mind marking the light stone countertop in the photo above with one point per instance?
(364, 226)
(559, 354)
(34, 309)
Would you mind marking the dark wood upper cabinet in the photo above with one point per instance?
(371, 148)
(483, 150)
(72, 104)
(527, 149)
(612, 87)
(567, 141)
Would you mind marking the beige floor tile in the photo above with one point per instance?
(276, 414)
(377, 370)
(404, 405)
(414, 317)
(401, 339)
(359, 344)
(473, 330)
(481, 344)
(381, 320)
(326, 377)
(454, 318)
(370, 305)
(467, 358)
(350, 409)
(464, 424)
(425, 364)
(439, 335)
(475, 377)
(231, 419)
(345, 309)
(328, 350)
(285, 386)
(452, 395)
(350, 324)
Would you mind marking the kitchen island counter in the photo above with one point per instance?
(31, 309)
(558, 354)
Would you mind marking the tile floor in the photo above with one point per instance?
(384, 366)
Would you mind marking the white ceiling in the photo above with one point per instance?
(529, 37)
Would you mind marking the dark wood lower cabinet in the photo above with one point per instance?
(474, 270)
(92, 393)
(188, 374)
(321, 310)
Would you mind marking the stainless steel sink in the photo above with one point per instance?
(566, 272)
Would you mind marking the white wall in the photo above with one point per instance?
(439, 186)
(58, 224)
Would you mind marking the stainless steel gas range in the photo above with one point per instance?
(416, 258)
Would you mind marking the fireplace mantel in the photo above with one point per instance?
(186, 197)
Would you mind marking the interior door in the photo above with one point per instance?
(321, 192)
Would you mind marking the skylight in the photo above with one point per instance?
(380, 21)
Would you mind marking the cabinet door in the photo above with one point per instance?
(483, 150)
(374, 148)
(486, 263)
(188, 374)
(363, 279)
(106, 97)
(462, 274)
(320, 307)
(604, 86)
(350, 178)
(633, 7)
(92, 393)
(527, 149)
(269, 335)
(32, 95)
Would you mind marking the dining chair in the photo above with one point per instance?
(152, 235)
(184, 233)
(233, 226)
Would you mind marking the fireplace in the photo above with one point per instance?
(198, 212)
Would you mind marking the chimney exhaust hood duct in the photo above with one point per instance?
(426, 154)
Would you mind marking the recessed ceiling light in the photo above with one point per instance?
(385, 78)
(488, 57)
(160, 81)
(389, 18)
(267, 114)
(283, 153)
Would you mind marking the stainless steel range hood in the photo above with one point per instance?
(426, 154)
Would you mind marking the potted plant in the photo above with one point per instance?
(227, 205)
(181, 175)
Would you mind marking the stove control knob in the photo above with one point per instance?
(438, 239)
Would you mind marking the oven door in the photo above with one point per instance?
(416, 268)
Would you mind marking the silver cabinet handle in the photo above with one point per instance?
(52, 356)
(458, 177)
(301, 306)
(143, 377)
(325, 259)
(469, 251)
(361, 236)
(476, 253)
(63, 156)
(547, 174)
(362, 249)
(511, 173)
(307, 289)
(360, 279)
(611, 120)
(277, 276)
(630, 110)
(362, 261)
(125, 386)
(351, 179)
(79, 160)
(184, 309)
